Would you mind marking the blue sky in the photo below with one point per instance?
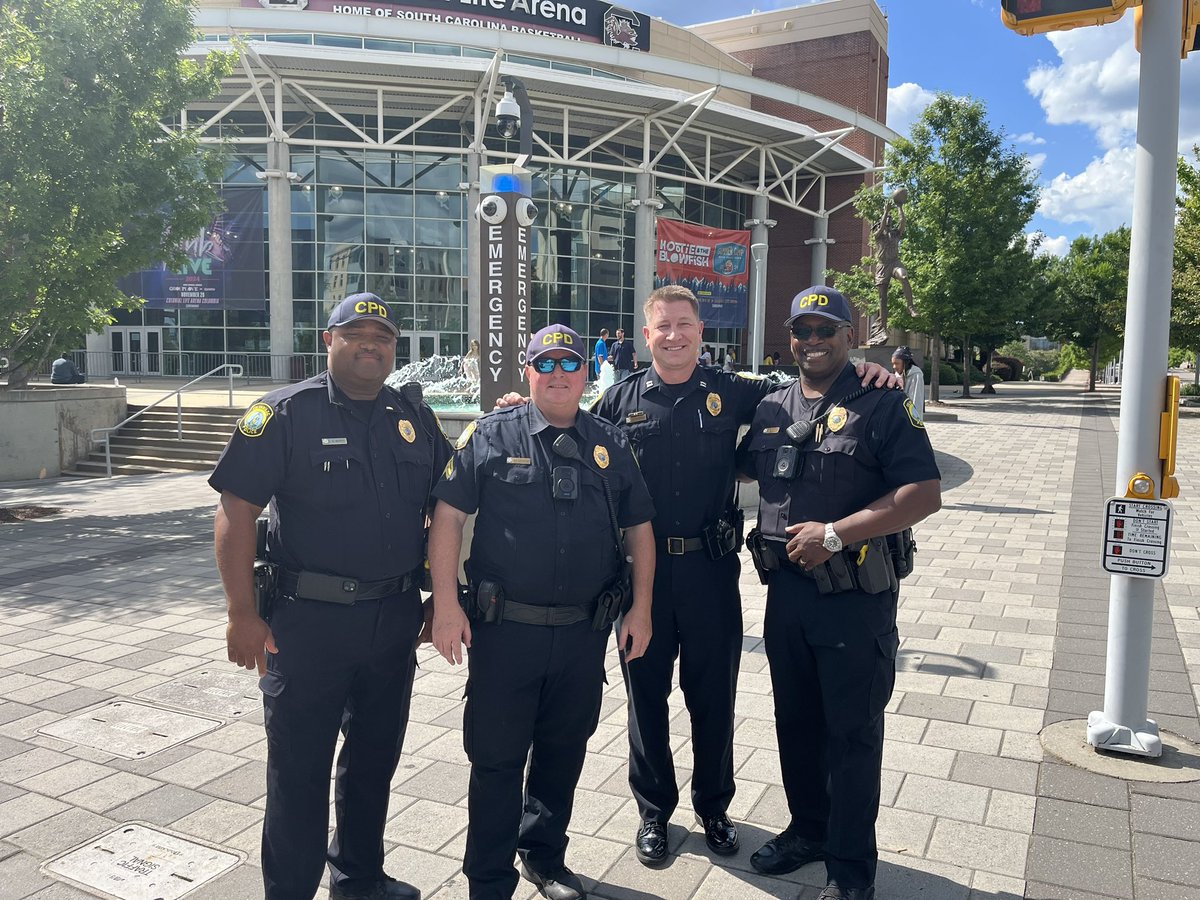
(1068, 100)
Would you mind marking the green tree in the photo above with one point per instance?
(92, 186)
(970, 198)
(1090, 289)
(1185, 286)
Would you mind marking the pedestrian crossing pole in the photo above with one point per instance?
(1122, 726)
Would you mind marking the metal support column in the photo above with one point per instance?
(474, 273)
(1123, 726)
(279, 257)
(646, 206)
(760, 227)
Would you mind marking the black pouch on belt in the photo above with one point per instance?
(489, 602)
(873, 566)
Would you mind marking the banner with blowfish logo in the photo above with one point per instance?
(713, 263)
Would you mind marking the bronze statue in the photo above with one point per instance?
(886, 235)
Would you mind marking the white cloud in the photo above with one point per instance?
(1036, 161)
(1029, 137)
(1100, 197)
(1094, 83)
(1051, 246)
(905, 104)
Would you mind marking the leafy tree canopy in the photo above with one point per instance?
(92, 186)
(1185, 287)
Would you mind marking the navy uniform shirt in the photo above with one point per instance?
(348, 480)
(685, 438)
(868, 448)
(541, 550)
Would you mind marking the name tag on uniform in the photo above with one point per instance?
(774, 429)
(520, 461)
(333, 442)
(637, 417)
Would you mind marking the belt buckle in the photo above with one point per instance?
(675, 546)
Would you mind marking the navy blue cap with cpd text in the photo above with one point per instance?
(363, 306)
(555, 337)
(819, 300)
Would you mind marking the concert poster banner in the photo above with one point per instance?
(224, 266)
(713, 263)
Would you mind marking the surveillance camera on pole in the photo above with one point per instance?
(508, 116)
(493, 209)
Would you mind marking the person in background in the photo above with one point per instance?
(624, 358)
(914, 379)
(601, 352)
(64, 371)
(706, 357)
(775, 358)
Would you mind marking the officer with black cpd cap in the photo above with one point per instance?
(347, 465)
(682, 420)
(553, 486)
(839, 469)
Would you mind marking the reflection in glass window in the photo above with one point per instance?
(389, 202)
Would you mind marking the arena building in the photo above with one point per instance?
(356, 131)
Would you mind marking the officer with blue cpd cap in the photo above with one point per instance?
(346, 465)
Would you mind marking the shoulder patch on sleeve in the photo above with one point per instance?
(916, 420)
(254, 421)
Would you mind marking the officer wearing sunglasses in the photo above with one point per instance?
(553, 486)
(859, 468)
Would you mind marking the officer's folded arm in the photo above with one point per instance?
(636, 629)
(247, 636)
(451, 630)
(894, 511)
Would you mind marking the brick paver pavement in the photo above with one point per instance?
(1003, 629)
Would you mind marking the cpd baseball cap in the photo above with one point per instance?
(362, 306)
(555, 337)
(819, 300)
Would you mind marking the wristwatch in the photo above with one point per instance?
(832, 542)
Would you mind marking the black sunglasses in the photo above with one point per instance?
(546, 366)
(804, 332)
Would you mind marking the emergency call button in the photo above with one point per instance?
(1137, 537)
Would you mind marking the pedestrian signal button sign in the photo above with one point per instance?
(1137, 537)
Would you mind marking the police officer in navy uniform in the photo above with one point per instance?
(552, 486)
(682, 420)
(347, 465)
(857, 467)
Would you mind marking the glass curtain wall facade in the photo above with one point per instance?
(394, 223)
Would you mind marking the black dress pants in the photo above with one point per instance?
(833, 667)
(347, 667)
(697, 617)
(533, 693)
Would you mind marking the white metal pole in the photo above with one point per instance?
(1122, 726)
(758, 254)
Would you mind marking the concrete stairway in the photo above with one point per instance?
(150, 443)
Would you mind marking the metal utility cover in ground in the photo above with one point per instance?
(129, 730)
(1137, 535)
(137, 862)
(229, 695)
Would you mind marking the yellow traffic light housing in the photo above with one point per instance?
(1039, 16)
(1168, 439)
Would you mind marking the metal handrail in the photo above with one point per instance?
(234, 371)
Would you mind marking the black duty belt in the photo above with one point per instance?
(677, 546)
(339, 589)
(530, 614)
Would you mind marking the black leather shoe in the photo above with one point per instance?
(720, 834)
(834, 891)
(561, 884)
(385, 889)
(651, 844)
(785, 853)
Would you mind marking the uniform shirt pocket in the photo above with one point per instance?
(338, 477)
(413, 475)
(832, 461)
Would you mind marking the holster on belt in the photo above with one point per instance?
(266, 573)
(724, 536)
(765, 559)
(613, 601)
(863, 566)
(485, 602)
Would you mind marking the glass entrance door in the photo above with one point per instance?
(415, 346)
(136, 351)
